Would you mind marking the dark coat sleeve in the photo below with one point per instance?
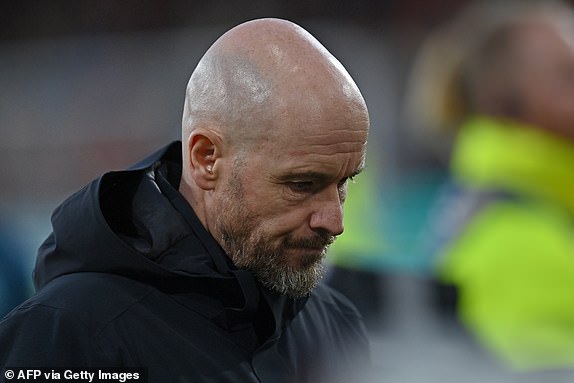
(38, 335)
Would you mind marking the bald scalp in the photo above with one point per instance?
(255, 73)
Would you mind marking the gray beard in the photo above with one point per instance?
(272, 270)
(248, 249)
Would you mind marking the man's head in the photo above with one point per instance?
(524, 68)
(273, 129)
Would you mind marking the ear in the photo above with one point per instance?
(204, 151)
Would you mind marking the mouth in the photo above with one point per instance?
(303, 257)
(307, 250)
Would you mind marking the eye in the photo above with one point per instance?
(301, 186)
(345, 181)
(342, 186)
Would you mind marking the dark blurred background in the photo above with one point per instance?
(34, 19)
(100, 82)
(90, 86)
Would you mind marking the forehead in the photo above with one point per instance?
(315, 126)
(338, 153)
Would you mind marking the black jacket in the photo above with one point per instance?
(130, 277)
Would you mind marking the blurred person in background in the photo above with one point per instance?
(202, 263)
(493, 93)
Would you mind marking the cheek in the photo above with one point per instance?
(282, 220)
(269, 205)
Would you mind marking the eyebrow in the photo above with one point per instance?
(312, 175)
(305, 175)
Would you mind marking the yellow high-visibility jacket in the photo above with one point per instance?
(513, 259)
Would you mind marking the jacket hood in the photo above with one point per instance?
(135, 223)
(87, 233)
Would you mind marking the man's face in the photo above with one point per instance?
(282, 205)
(252, 245)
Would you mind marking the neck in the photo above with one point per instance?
(196, 199)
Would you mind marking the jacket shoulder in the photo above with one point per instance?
(330, 332)
(93, 298)
(334, 302)
(58, 325)
(331, 314)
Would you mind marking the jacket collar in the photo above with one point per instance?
(243, 297)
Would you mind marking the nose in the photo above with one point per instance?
(328, 213)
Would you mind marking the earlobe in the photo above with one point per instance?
(203, 153)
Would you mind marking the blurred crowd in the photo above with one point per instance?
(459, 239)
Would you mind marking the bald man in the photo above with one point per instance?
(202, 263)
